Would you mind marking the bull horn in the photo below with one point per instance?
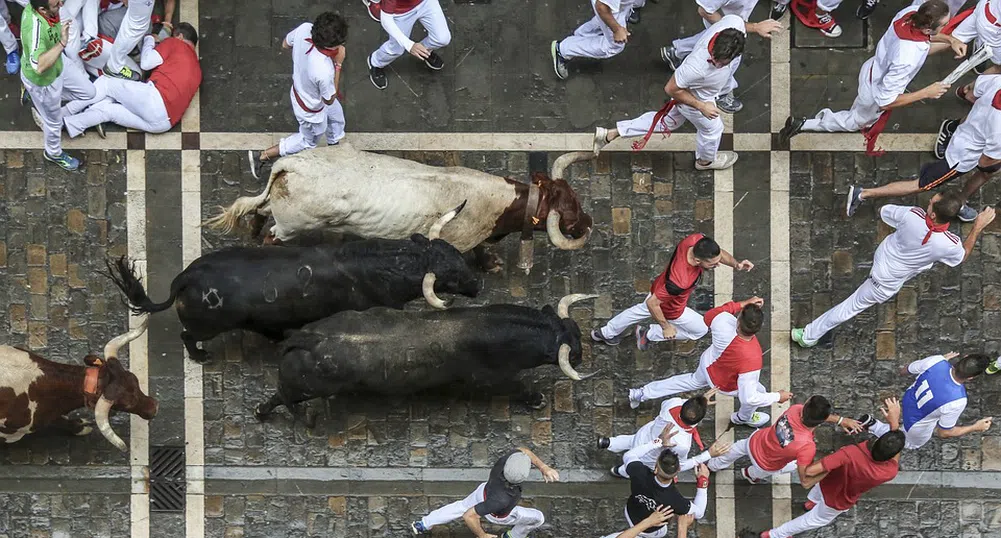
(563, 309)
(556, 235)
(563, 161)
(112, 347)
(428, 288)
(435, 231)
(565, 363)
(101, 411)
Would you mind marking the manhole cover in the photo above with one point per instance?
(166, 479)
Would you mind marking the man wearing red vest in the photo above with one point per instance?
(732, 364)
(154, 106)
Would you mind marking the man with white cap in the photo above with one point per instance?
(496, 500)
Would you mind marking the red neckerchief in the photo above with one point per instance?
(711, 43)
(51, 20)
(904, 30)
(329, 53)
(933, 227)
(997, 100)
(873, 132)
(657, 118)
(954, 22)
(676, 415)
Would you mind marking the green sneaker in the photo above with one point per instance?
(992, 369)
(64, 160)
(126, 74)
(797, 336)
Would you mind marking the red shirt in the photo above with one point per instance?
(683, 275)
(398, 7)
(177, 78)
(785, 441)
(730, 355)
(852, 472)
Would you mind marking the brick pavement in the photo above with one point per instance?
(63, 516)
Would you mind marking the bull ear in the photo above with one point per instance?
(548, 310)
(420, 239)
(93, 360)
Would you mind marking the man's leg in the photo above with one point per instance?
(625, 319)
(523, 520)
(306, 138)
(639, 126)
(746, 411)
(738, 450)
(451, 512)
(867, 295)
(708, 136)
(335, 122)
(673, 385)
(132, 30)
(863, 113)
(757, 473)
(821, 515)
(685, 45)
(76, 84)
(589, 28)
(7, 38)
(46, 100)
(588, 44)
(391, 50)
(620, 443)
(690, 325)
(433, 20)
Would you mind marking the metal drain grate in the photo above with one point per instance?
(166, 479)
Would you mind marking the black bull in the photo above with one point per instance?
(269, 290)
(385, 351)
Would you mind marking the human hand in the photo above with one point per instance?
(934, 90)
(709, 110)
(419, 51)
(785, 396)
(621, 34)
(768, 27)
(64, 33)
(984, 424)
(709, 394)
(341, 53)
(745, 265)
(950, 355)
(958, 47)
(669, 331)
(891, 410)
(666, 435)
(550, 474)
(659, 516)
(758, 301)
(984, 218)
(850, 425)
(702, 470)
(719, 448)
(684, 522)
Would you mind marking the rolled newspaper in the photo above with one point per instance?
(980, 56)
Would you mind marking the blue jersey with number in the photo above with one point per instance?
(930, 391)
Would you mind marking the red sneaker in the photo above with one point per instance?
(374, 9)
(809, 505)
(93, 49)
(828, 26)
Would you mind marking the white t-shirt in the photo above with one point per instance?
(682, 439)
(312, 75)
(614, 5)
(740, 8)
(700, 77)
(987, 31)
(898, 59)
(980, 134)
(902, 256)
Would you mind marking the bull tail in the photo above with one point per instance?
(229, 217)
(123, 274)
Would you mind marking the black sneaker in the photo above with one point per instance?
(866, 421)
(945, 132)
(559, 62)
(778, 11)
(792, 128)
(377, 75)
(634, 16)
(604, 442)
(434, 61)
(866, 9)
(854, 200)
(598, 337)
(670, 56)
(615, 472)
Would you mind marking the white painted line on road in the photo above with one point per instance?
(723, 290)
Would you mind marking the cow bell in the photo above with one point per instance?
(525, 255)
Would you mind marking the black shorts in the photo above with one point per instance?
(936, 173)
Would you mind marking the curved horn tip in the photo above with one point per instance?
(461, 206)
(427, 288)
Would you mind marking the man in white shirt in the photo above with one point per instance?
(137, 21)
(604, 36)
(676, 427)
(975, 144)
(711, 12)
(398, 18)
(982, 23)
(706, 74)
(884, 78)
(922, 237)
(933, 404)
(317, 54)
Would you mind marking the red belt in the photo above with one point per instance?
(302, 104)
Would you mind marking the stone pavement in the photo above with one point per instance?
(369, 467)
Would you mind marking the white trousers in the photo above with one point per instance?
(71, 84)
(594, 39)
(863, 113)
(739, 450)
(623, 443)
(431, 17)
(524, 520)
(134, 105)
(685, 45)
(914, 438)
(131, 32)
(309, 133)
(708, 132)
(869, 294)
(821, 516)
(689, 325)
(7, 38)
(83, 13)
(696, 380)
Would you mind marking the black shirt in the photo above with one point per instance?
(500, 496)
(646, 494)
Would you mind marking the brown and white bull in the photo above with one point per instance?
(36, 393)
(343, 190)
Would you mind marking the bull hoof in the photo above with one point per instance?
(309, 418)
(201, 357)
(538, 401)
(261, 412)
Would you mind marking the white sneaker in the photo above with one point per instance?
(600, 140)
(37, 117)
(758, 419)
(635, 398)
(724, 160)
